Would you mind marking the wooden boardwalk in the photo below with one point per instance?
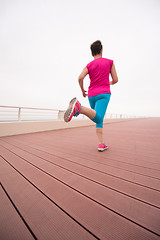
(56, 185)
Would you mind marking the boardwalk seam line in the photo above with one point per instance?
(51, 200)
(89, 167)
(132, 164)
(141, 174)
(119, 214)
(22, 218)
(103, 185)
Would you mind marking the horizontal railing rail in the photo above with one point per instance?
(14, 113)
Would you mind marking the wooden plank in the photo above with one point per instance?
(131, 157)
(11, 224)
(89, 163)
(95, 217)
(113, 159)
(46, 220)
(136, 191)
(93, 155)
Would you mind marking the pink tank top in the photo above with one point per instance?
(99, 70)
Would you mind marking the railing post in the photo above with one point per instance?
(19, 114)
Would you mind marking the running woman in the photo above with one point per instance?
(98, 93)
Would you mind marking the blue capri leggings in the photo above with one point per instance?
(99, 103)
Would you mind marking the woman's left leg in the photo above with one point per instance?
(98, 105)
(90, 113)
(100, 108)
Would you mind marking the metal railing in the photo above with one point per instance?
(13, 113)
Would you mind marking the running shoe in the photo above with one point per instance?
(73, 110)
(102, 147)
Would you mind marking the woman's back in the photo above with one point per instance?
(99, 70)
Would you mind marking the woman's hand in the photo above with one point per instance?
(110, 81)
(84, 92)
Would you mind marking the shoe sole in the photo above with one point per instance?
(102, 149)
(70, 109)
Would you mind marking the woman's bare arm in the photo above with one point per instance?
(114, 75)
(80, 80)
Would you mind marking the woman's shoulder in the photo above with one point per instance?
(98, 61)
(108, 61)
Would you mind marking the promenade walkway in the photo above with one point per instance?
(55, 185)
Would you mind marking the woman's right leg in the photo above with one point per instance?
(100, 108)
(99, 133)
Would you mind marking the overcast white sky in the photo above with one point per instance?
(45, 44)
